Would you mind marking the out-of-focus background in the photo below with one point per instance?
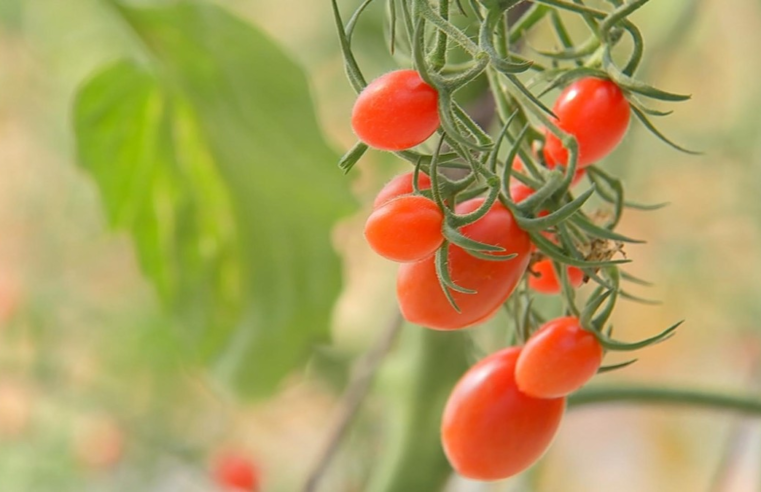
(97, 393)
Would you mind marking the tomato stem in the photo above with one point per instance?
(644, 394)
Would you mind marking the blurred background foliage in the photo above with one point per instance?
(170, 273)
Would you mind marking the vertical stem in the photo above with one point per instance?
(439, 55)
(355, 394)
(413, 460)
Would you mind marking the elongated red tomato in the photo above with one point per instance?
(546, 280)
(396, 111)
(594, 111)
(558, 359)
(490, 429)
(420, 296)
(401, 185)
(407, 228)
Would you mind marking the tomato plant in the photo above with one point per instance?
(543, 279)
(596, 113)
(396, 111)
(558, 359)
(405, 229)
(401, 185)
(490, 429)
(235, 472)
(420, 294)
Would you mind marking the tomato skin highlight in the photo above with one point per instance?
(405, 229)
(547, 281)
(396, 111)
(558, 359)
(490, 429)
(420, 295)
(596, 112)
(401, 185)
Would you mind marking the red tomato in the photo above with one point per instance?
(520, 191)
(401, 185)
(407, 228)
(235, 472)
(547, 282)
(490, 429)
(594, 111)
(420, 296)
(396, 111)
(558, 359)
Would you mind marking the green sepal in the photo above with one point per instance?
(614, 367)
(353, 72)
(352, 156)
(645, 121)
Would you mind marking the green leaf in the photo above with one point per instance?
(213, 160)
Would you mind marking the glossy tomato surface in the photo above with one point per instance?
(544, 279)
(420, 296)
(558, 359)
(490, 429)
(404, 229)
(596, 112)
(401, 185)
(396, 111)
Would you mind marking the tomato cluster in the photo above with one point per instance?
(504, 412)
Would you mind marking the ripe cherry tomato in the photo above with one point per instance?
(235, 472)
(558, 359)
(396, 111)
(407, 228)
(420, 296)
(401, 185)
(546, 280)
(490, 429)
(596, 112)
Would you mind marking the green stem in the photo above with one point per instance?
(667, 396)
(413, 460)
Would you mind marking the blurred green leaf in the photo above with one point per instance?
(211, 156)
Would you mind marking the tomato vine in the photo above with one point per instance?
(510, 209)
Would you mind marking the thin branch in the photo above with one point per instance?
(352, 400)
(637, 394)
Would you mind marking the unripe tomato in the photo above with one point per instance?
(420, 295)
(407, 228)
(546, 280)
(558, 359)
(594, 111)
(236, 473)
(401, 185)
(490, 429)
(396, 111)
